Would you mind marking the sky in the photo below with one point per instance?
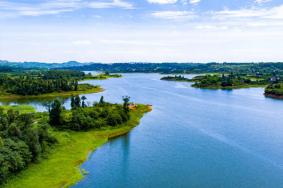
(112, 31)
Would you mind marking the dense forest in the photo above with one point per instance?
(23, 140)
(40, 82)
(168, 68)
(153, 67)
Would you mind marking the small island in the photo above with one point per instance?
(274, 91)
(43, 84)
(102, 76)
(179, 78)
(229, 81)
(59, 140)
(272, 82)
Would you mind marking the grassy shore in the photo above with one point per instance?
(230, 87)
(62, 167)
(20, 108)
(82, 89)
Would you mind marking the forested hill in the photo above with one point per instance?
(185, 67)
(152, 67)
(37, 65)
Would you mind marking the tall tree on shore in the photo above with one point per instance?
(83, 98)
(101, 100)
(72, 102)
(55, 113)
(77, 101)
(126, 100)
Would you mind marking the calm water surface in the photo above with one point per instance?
(192, 138)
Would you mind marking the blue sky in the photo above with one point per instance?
(141, 30)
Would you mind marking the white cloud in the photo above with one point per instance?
(194, 2)
(113, 4)
(248, 34)
(174, 15)
(112, 44)
(82, 42)
(59, 6)
(162, 1)
(262, 1)
(272, 13)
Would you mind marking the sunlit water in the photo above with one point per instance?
(192, 138)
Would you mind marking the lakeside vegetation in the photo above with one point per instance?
(43, 84)
(24, 139)
(229, 81)
(183, 68)
(102, 76)
(274, 91)
(273, 83)
(176, 78)
(73, 133)
(22, 109)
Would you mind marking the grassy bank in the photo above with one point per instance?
(82, 89)
(20, 108)
(229, 87)
(62, 167)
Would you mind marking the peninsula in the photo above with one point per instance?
(43, 84)
(65, 139)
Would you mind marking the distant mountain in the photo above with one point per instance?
(40, 65)
(274, 68)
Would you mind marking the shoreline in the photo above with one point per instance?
(273, 96)
(73, 149)
(230, 88)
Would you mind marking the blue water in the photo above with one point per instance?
(193, 138)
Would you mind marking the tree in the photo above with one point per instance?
(77, 102)
(126, 100)
(83, 98)
(72, 102)
(1, 142)
(55, 113)
(76, 85)
(101, 100)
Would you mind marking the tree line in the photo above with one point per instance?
(41, 82)
(25, 138)
(83, 117)
(21, 142)
(228, 80)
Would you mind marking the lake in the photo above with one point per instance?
(192, 138)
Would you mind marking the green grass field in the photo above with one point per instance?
(21, 108)
(62, 167)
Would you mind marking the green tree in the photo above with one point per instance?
(55, 113)
(83, 98)
(101, 100)
(77, 102)
(126, 100)
(73, 106)
(1, 142)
